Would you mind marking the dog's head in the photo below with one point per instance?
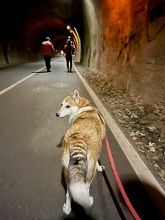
(71, 104)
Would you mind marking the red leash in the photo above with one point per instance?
(131, 208)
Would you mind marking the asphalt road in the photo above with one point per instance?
(30, 167)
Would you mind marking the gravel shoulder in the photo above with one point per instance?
(143, 124)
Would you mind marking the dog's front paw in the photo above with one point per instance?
(66, 209)
(91, 200)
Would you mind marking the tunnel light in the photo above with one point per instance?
(68, 27)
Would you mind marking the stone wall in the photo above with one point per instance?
(132, 47)
(92, 33)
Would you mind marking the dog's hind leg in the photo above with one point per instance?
(67, 204)
(99, 168)
(90, 175)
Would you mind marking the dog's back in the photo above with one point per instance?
(81, 149)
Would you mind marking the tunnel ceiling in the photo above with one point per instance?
(31, 21)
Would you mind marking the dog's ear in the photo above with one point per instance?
(76, 96)
(83, 102)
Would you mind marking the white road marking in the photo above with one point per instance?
(15, 84)
(22, 80)
(142, 171)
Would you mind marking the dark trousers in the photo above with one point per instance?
(69, 60)
(47, 62)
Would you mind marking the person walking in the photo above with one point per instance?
(68, 50)
(47, 50)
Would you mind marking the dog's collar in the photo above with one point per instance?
(83, 109)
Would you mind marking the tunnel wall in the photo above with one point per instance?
(131, 56)
(92, 33)
(12, 52)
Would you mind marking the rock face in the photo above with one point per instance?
(144, 124)
(132, 47)
(130, 76)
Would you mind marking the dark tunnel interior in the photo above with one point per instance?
(27, 24)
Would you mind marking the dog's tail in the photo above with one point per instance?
(77, 171)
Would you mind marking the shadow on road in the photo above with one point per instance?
(146, 207)
(42, 72)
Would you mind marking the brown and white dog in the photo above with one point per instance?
(81, 148)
